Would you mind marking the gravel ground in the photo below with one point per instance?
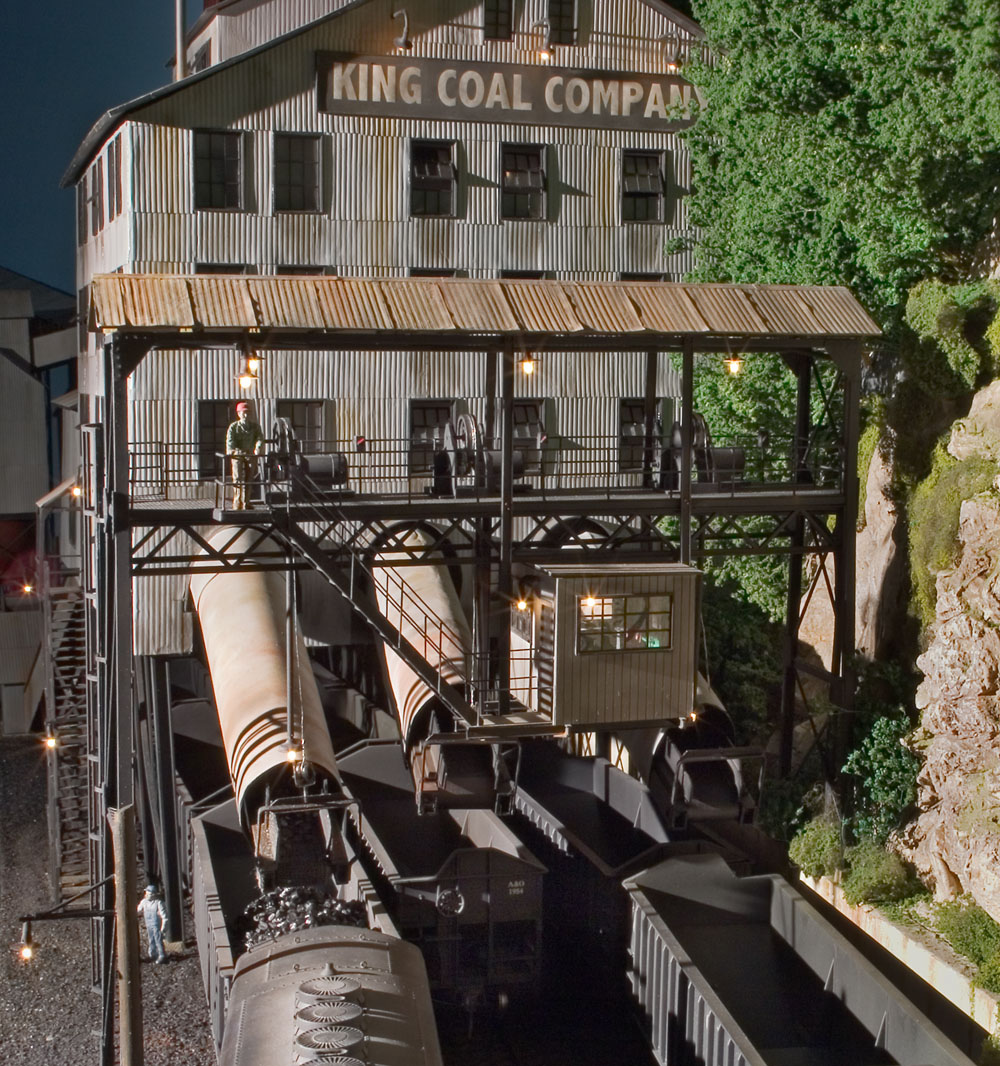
(49, 1016)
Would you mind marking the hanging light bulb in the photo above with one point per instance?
(27, 948)
(734, 364)
(528, 365)
(76, 491)
(51, 741)
(293, 755)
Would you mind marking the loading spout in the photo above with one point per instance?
(242, 618)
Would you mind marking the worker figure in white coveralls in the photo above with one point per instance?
(244, 440)
(151, 909)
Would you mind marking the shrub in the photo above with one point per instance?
(989, 1053)
(934, 517)
(887, 774)
(989, 977)
(969, 930)
(875, 875)
(817, 848)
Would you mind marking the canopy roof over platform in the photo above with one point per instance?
(384, 312)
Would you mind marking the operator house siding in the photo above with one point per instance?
(639, 685)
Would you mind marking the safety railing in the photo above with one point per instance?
(561, 465)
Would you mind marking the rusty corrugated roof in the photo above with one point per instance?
(151, 302)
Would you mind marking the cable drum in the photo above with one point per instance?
(318, 1045)
(336, 1012)
(327, 989)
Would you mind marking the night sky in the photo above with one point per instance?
(63, 63)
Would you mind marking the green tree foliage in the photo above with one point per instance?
(743, 652)
(847, 142)
(935, 509)
(736, 407)
(955, 325)
(887, 775)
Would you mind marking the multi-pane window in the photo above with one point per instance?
(497, 20)
(632, 443)
(115, 178)
(214, 417)
(529, 428)
(81, 211)
(202, 58)
(623, 623)
(427, 421)
(642, 186)
(82, 312)
(522, 188)
(300, 269)
(296, 172)
(306, 418)
(562, 21)
(433, 179)
(97, 197)
(218, 170)
(224, 268)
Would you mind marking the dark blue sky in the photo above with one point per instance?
(62, 64)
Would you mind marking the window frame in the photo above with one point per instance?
(420, 453)
(611, 633)
(563, 17)
(498, 20)
(514, 190)
(639, 195)
(207, 468)
(228, 138)
(426, 185)
(316, 190)
(97, 197)
(82, 211)
(316, 410)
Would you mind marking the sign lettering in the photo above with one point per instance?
(405, 87)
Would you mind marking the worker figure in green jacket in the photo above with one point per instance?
(244, 440)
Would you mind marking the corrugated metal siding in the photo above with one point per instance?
(24, 473)
(622, 27)
(628, 686)
(584, 164)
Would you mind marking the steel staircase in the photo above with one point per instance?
(66, 721)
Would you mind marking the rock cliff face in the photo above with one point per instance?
(955, 841)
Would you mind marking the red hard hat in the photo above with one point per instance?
(241, 406)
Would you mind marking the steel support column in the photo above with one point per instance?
(845, 559)
(505, 584)
(793, 602)
(687, 412)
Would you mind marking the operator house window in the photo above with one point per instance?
(218, 170)
(642, 186)
(427, 421)
(522, 189)
(623, 623)
(296, 172)
(81, 211)
(562, 21)
(306, 417)
(214, 417)
(497, 21)
(433, 179)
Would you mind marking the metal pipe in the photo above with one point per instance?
(179, 27)
(122, 822)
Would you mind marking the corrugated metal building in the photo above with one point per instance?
(491, 141)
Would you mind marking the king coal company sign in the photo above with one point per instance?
(541, 96)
